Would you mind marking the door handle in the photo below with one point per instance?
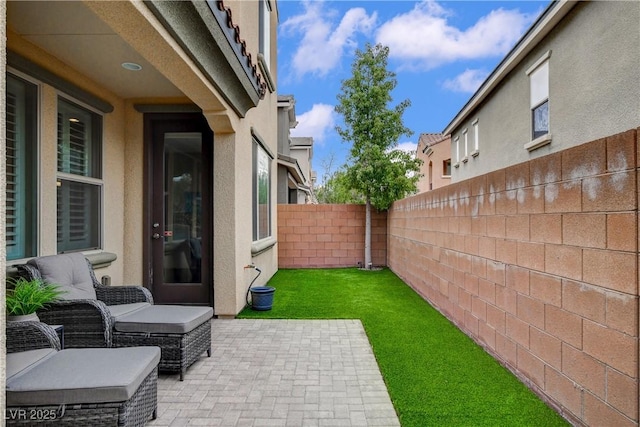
(155, 235)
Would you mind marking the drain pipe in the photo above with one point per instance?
(251, 284)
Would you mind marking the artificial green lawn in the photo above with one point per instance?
(435, 374)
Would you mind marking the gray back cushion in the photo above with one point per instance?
(70, 272)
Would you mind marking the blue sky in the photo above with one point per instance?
(440, 51)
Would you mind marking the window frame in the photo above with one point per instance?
(465, 135)
(456, 142)
(28, 230)
(264, 41)
(259, 150)
(476, 138)
(539, 96)
(444, 168)
(93, 179)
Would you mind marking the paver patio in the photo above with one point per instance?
(280, 373)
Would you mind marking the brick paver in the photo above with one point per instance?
(294, 373)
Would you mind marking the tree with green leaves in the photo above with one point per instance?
(376, 169)
(335, 190)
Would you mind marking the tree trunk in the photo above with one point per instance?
(367, 236)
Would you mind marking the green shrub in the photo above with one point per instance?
(28, 296)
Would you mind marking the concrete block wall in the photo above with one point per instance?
(538, 263)
(312, 236)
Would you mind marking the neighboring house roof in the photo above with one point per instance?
(301, 141)
(293, 167)
(430, 139)
(551, 16)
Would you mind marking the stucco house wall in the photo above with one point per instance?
(139, 28)
(593, 90)
(433, 153)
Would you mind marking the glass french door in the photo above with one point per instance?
(180, 208)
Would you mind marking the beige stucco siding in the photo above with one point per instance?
(593, 89)
(124, 156)
(113, 155)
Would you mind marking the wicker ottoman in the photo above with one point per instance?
(97, 387)
(182, 333)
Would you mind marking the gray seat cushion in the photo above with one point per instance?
(164, 319)
(83, 375)
(120, 310)
(24, 360)
(69, 271)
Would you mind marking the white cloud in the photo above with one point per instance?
(315, 122)
(469, 81)
(323, 38)
(409, 147)
(425, 38)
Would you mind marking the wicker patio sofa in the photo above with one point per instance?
(94, 315)
(78, 387)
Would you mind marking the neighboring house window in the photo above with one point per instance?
(261, 192)
(265, 31)
(457, 144)
(21, 168)
(446, 167)
(476, 138)
(79, 178)
(539, 95)
(466, 145)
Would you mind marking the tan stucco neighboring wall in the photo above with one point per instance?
(441, 152)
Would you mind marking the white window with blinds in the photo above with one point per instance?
(21, 229)
(539, 96)
(265, 31)
(261, 193)
(79, 178)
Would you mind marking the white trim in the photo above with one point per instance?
(538, 142)
(457, 142)
(466, 142)
(262, 245)
(476, 137)
(539, 62)
(267, 74)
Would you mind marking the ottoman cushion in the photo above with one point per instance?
(87, 375)
(24, 360)
(120, 310)
(164, 319)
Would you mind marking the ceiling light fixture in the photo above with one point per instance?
(131, 66)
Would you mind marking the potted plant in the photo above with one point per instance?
(25, 297)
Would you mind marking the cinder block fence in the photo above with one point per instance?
(538, 263)
(328, 236)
